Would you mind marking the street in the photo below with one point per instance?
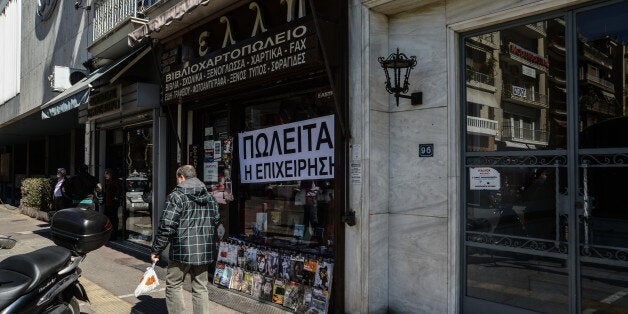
(111, 273)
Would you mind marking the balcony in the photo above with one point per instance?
(524, 135)
(482, 126)
(524, 96)
(490, 40)
(596, 81)
(113, 21)
(481, 81)
(537, 28)
(592, 54)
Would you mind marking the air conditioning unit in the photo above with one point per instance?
(63, 77)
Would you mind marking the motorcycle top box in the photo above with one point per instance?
(80, 230)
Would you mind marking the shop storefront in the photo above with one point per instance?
(122, 117)
(254, 97)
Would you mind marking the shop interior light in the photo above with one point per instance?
(393, 67)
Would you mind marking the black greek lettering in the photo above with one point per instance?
(248, 138)
(324, 137)
(264, 152)
(308, 128)
(248, 174)
(288, 139)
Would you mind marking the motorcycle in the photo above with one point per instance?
(47, 280)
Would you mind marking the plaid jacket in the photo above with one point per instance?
(188, 223)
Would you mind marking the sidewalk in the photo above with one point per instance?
(110, 275)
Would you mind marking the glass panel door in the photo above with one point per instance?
(516, 250)
(602, 200)
(138, 184)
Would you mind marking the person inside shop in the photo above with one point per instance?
(82, 188)
(112, 195)
(60, 200)
(187, 224)
(310, 207)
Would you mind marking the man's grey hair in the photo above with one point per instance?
(187, 171)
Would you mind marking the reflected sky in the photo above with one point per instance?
(610, 20)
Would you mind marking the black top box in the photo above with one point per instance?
(80, 230)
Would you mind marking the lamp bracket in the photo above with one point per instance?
(415, 98)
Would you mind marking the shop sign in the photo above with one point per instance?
(301, 150)
(528, 55)
(519, 91)
(528, 71)
(269, 54)
(105, 102)
(484, 178)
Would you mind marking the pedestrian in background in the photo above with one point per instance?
(187, 224)
(112, 195)
(60, 200)
(82, 188)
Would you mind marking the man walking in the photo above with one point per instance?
(60, 202)
(187, 223)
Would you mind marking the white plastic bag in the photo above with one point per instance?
(148, 282)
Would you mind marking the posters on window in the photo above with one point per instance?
(295, 151)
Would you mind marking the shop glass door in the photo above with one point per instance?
(138, 209)
(546, 220)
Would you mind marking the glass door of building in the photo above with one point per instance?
(546, 156)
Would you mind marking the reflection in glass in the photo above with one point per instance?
(602, 103)
(602, 68)
(529, 202)
(516, 88)
(526, 281)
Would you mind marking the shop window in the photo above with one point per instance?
(277, 234)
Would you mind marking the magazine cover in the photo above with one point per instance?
(251, 258)
(299, 231)
(309, 271)
(236, 279)
(284, 266)
(296, 273)
(291, 296)
(272, 264)
(279, 290)
(306, 300)
(226, 276)
(319, 301)
(220, 268)
(222, 252)
(241, 258)
(232, 254)
(247, 282)
(256, 290)
(261, 262)
(267, 288)
(322, 280)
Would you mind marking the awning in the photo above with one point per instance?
(184, 13)
(78, 93)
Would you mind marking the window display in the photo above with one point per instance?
(274, 178)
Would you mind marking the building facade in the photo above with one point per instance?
(519, 208)
(501, 191)
(45, 46)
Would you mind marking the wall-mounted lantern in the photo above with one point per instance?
(393, 67)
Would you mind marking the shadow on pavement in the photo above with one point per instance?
(148, 304)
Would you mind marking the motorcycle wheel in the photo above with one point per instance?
(71, 307)
(74, 306)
